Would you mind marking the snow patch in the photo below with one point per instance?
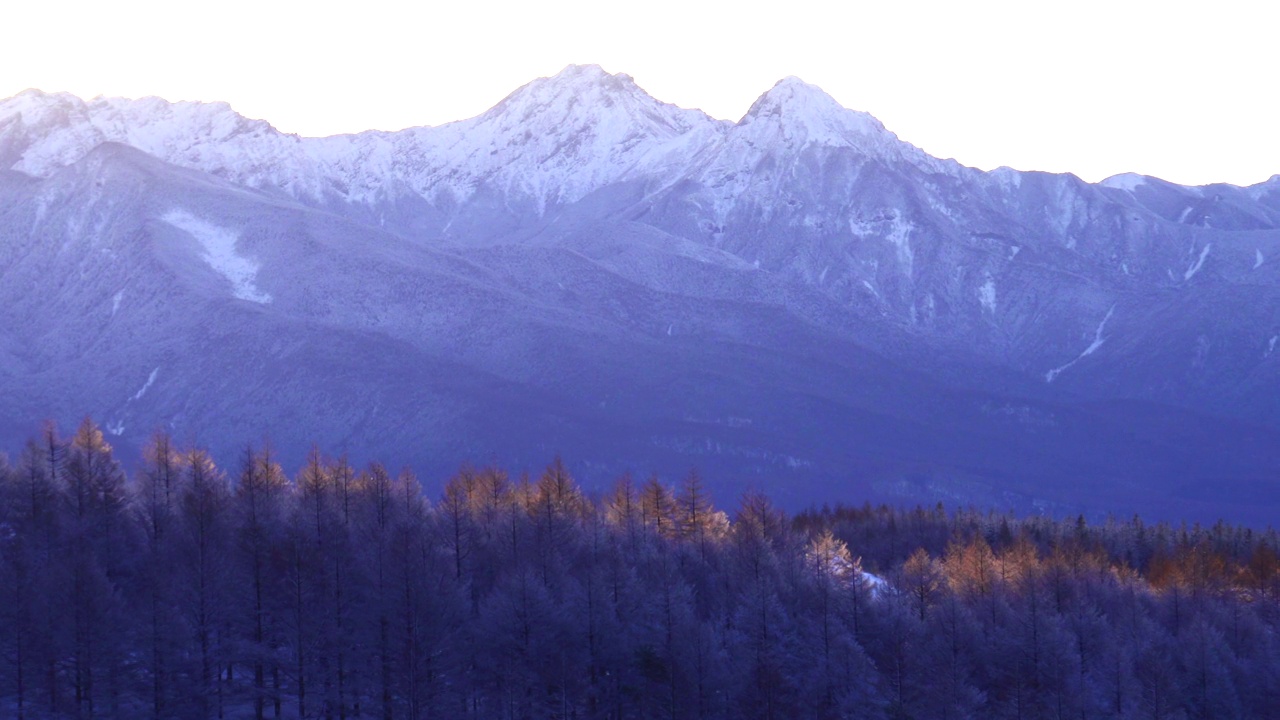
(1125, 181)
(876, 584)
(115, 302)
(1195, 267)
(1008, 178)
(893, 228)
(1183, 217)
(943, 210)
(987, 295)
(1098, 340)
(220, 253)
(150, 381)
(900, 236)
(1257, 261)
(1013, 251)
(116, 428)
(1271, 346)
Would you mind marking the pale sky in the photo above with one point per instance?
(1183, 91)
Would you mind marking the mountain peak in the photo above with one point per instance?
(589, 71)
(574, 80)
(593, 75)
(793, 97)
(34, 104)
(557, 138)
(802, 114)
(587, 95)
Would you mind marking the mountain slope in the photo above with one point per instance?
(798, 300)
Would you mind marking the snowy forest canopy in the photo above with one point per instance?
(193, 591)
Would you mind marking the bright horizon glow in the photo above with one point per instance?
(1181, 92)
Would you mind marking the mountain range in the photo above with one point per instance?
(798, 302)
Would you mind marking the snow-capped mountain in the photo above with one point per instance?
(798, 300)
(552, 141)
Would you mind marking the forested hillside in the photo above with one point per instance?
(191, 589)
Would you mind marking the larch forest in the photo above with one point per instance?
(188, 589)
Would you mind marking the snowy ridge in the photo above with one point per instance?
(552, 141)
(796, 157)
(555, 140)
(56, 130)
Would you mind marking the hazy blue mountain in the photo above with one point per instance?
(799, 301)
